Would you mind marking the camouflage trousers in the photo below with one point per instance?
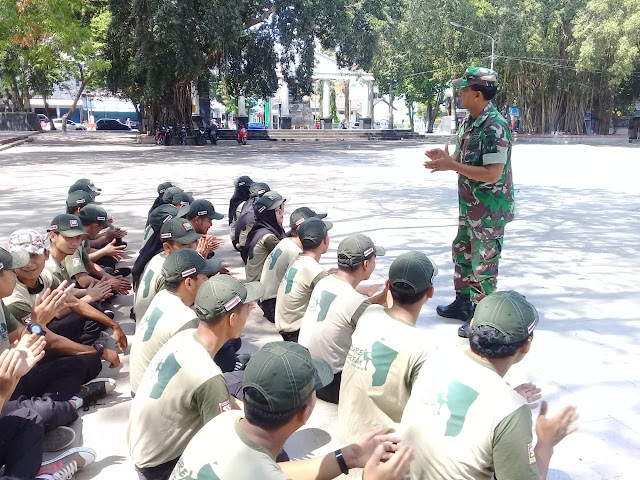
(476, 253)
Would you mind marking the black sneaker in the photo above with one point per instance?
(241, 361)
(122, 272)
(90, 392)
(461, 308)
(465, 330)
(58, 439)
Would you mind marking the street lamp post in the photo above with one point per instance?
(493, 41)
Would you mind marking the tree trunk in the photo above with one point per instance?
(411, 116)
(347, 102)
(390, 115)
(429, 117)
(454, 114)
(46, 109)
(83, 83)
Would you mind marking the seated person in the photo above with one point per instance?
(279, 394)
(336, 306)
(265, 234)
(94, 220)
(85, 187)
(469, 423)
(170, 310)
(246, 216)
(278, 261)
(82, 321)
(302, 276)
(176, 234)
(183, 388)
(78, 199)
(201, 214)
(240, 194)
(387, 351)
(159, 200)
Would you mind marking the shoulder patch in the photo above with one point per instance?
(531, 454)
(224, 406)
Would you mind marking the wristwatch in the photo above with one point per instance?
(36, 328)
(341, 462)
(99, 348)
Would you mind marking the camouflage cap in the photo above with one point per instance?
(477, 76)
(14, 260)
(27, 239)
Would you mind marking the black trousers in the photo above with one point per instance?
(59, 377)
(226, 356)
(290, 336)
(78, 328)
(331, 393)
(159, 472)
(269, 309)
(21, 443)
(53, 413)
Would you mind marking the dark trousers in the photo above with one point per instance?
(226, 356)
(53, 413)
(269, 309)
(290, 336)
(107, 261)
(21, 443)
(78, 328)
(331, 393)
(159, 472)
(60, 377)
(234, 383)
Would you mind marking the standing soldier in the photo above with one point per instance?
(485, 193)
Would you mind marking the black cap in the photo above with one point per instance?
(201, 208)
(313, 231)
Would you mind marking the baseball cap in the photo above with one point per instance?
(162, 214)
(86, 181)
(286, 375)
(163, 187)
(243, 181)
(79, 199)
(178, 230)
(186, 262)
(411, 273)
(357, 248)
(201, 208)
(509, 313)
(181, 198)
(299, 215)
(258, 188)
(14, 260)
(476, 76)
(67, 225)
(313, 230)
(220, 294)
(168, 194)
(27, 239)
(269, 201)
(93, 213)
(84, 187)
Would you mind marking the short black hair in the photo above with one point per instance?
(308, 245)
(173, 285)
(404, 298)
(86, 222)
(263, 418)
(487, 342)
(71, 210)
(350, 269)
(488, 92)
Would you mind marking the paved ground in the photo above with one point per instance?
(573, 251)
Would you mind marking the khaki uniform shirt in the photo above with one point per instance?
(295, 291)
(21, 302)
(466, 422)
(258, 255)
(151, 282)
(276, 265)
(232, 225)
(166, 316)
(58, 270)
(78, 261)
(383, 362)
(8, 324)
(181, 390)
(330, 319)
(221, 451)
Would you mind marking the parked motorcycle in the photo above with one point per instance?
(183, 134)
(201, 136)
(164, 135)
(242, 135)
(212, 134)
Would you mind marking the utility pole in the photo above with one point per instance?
(493, 41)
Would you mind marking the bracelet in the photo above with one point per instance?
(341, 462)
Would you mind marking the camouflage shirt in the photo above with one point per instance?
(484, 141)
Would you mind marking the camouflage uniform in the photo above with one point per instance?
(485, 208)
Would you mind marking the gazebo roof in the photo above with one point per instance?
(326, 68)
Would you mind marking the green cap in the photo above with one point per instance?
(16, 259)
(286, 375)
(313, 231)
(299, 215)
(357, 248)
(220, 294)
(178, 230)
(412, 273)
(67, 225)
(200, 208)
(86, 181)
(79, 199)
(181, 198)
(509, 313)
(93, 213)
(269, 201)
(477, 76)
(161, 215)
(163, 187)
(168, 194)
(243, 181)
(186, 262)
(84, 187)
(258, 189)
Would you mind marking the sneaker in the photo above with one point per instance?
(241, 361)
(64, 466)
(110, 314)
(122, 272)
(95, 389)
(58, 439)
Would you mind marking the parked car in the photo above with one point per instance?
(111, 124)
(382, 125)
(44, 121)
(71, 125)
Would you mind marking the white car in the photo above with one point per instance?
(382, 125)
(57, 122)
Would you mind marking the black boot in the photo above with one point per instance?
(465, 330)
(461, 309)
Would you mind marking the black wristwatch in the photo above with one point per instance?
(341, 462)
(99, 348)
(35, 328)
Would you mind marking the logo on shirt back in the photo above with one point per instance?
(531, 454)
